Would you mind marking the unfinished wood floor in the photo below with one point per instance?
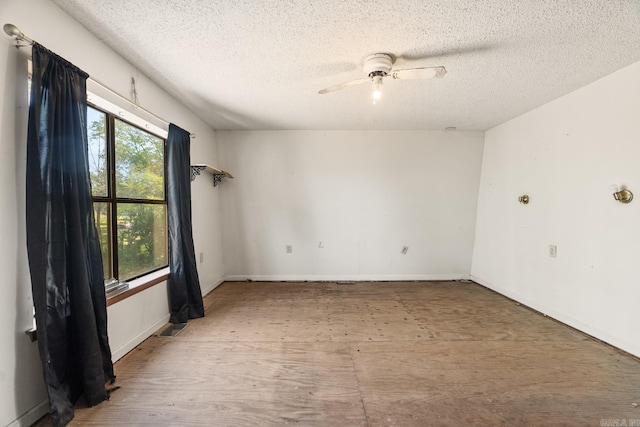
(370, 354)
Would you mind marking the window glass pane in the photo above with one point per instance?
(102, 214)
(139, 163)
(142, 238)
(97, 136)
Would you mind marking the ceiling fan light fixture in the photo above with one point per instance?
(378, 66)
(377, 87)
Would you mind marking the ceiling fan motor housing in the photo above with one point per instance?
(378, 64)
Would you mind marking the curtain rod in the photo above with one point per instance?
(19, 36)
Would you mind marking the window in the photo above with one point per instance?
(127, 166)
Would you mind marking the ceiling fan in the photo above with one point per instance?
(378, 66)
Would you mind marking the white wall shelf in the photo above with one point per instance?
(217, 174)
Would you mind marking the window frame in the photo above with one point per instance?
(112, 200)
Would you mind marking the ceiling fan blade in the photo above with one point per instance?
(418, 73)
(343, 85)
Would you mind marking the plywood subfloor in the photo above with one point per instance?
(370, 354)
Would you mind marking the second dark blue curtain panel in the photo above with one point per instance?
(67, 278)
(185, 296)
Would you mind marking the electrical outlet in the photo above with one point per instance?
(405, 249)
(201, 257)
(289, 249)
(553, 251)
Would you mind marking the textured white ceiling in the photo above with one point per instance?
(250, 64)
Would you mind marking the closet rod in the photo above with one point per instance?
(19, 36)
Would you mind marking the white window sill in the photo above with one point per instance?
(138, 285)
(135, 286)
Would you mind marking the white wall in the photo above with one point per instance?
(22, 393)
(565, 155)
(364, 195)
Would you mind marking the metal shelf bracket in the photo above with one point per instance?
(217, 174)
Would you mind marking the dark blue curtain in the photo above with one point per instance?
(62, 242)
(185, 296)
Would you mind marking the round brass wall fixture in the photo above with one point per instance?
(524, 199)
(623, 196)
